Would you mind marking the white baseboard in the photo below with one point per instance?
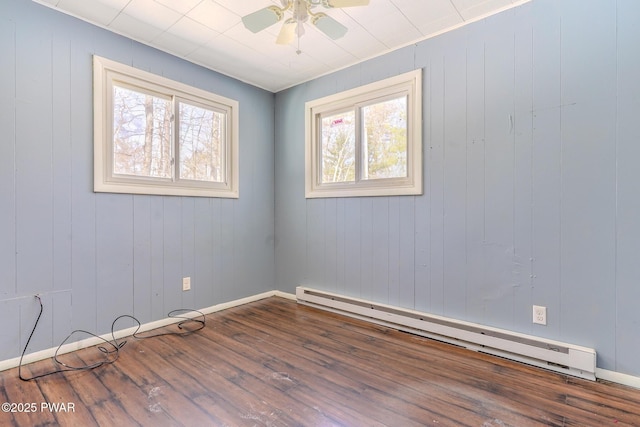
(286, 295)
(67, 348)
(617, 377)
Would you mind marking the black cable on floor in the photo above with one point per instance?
(113, 347)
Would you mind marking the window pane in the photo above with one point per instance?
(202, 132)
(338, 147)
(141, 134)
(385, 139)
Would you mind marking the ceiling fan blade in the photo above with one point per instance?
(263, 18)
(347, 3)
(329, 26)
(287, 32)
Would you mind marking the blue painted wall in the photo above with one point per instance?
(532, 189)
(93, 256)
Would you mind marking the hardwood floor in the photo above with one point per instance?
(277, 363)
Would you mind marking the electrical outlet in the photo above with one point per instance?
(539, 315)
(186, 283)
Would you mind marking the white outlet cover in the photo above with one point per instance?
(539, 315)
(186, 283)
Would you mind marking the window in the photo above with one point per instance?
(366, 141)
(157, 136)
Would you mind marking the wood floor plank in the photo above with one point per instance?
(20, 393)
(254, 362)
(330, 369)
(6, 417)
(403, 375)
(161, 388)
(60, 399)
(228, 380)
(545, 406)
(291, 373)
(277, 363)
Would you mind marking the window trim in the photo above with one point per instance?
(105, 73)
(411, 83)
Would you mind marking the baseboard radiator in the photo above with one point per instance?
(553, 355)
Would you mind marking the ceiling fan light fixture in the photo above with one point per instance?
(263, 18)
(302, 11)
(287, 32)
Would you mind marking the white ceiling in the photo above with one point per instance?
(210, 32)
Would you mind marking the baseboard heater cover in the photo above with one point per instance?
(553, 355)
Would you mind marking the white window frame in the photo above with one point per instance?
(105, 74)
(408, 83)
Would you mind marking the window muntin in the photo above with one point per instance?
(366, 141)
(157, 136)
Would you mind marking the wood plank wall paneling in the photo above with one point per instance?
(546, 163)
(205, 242)
(628, 190)
(522, 274)
(331, 246)
(114, 252)
(33, 160)
(95, 256)
(455, 178)
(142, 271)
(366, 247)
(436, 145)
(407, 259)
(9, 311)
(497, 284)
(187, 256)
(530, 193)
(475, 165)
(61, 176)
(84, 210)
(8, 163)
(276, 362)
(588, 202)
(393, 243)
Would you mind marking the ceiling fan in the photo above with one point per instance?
(302, 12)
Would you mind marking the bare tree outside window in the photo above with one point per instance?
(201, 132)
(338, 147)
(385, 139)
(141, 134)
(142, 138)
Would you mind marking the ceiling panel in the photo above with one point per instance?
(98, 12)
(470, 9)
(428, 15)
(214, 16)
(152, 13)
(244, 7)
(392, 28)
(182, 6)
(210, 32)
(174, 42)
(138, 30)
(192, 30)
